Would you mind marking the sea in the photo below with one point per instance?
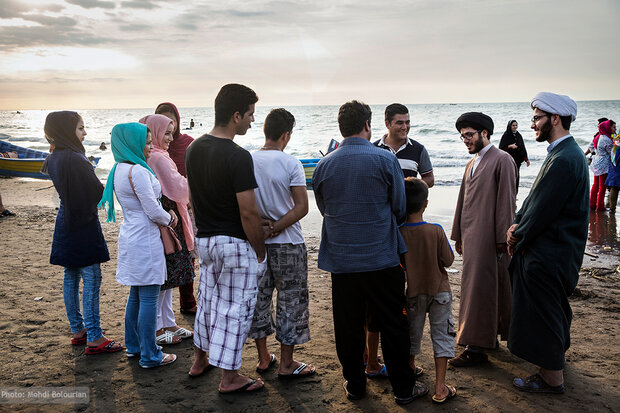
(431, 124)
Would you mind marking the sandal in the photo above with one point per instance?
(451, 394)
(166, 338)
(81, 340)
(167, 359)
(182, 332)
(105, 347)
(6, 213)
(419, 390)
(297, 373)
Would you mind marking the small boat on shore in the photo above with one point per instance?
(309, 166)
(28, 162)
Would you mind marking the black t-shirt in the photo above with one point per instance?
(218, 169)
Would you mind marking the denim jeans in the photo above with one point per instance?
(90, 299)
(140, 320)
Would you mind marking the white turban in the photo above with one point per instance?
(555, 104)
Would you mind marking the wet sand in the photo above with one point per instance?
(35, 345)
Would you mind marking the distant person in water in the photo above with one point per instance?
(102, 147)
(512, 142)
(191, 123)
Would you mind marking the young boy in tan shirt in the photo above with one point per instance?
(428, 289)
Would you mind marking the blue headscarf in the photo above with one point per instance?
(128, 141)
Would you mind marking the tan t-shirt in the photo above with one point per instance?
(428, 253)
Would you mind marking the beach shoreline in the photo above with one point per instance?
(35, 349)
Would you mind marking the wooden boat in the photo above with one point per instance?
(28, 162)
(309, 166)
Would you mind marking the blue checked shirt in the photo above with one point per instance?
(360, 191)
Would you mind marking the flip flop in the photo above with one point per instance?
(381, 373)
(419, 390)
(105, 347)
(243, 389)
(418, 371)
(272, 361)
(7, 213)
(296, 374)
(451, 394)
(171, 359)
(181, 332)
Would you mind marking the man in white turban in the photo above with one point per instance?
(547, 241)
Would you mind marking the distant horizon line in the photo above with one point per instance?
(293, 106)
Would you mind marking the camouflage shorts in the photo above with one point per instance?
(287, 271)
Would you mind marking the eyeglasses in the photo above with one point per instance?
(467, 136)
(535, 118)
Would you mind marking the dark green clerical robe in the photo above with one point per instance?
(553, 229)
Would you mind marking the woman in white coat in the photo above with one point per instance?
(141, 262)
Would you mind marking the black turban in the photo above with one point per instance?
(476, 120)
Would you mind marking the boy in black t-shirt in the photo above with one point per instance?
(229, 241)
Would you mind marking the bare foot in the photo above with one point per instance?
(200, 366)
(80, 334)
(237, 381)
(288, 370)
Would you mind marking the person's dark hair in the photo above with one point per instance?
(278, 121)
(352, 117)
(395, 109)
(416, 192)
(232, 98)
(566, 121)
(601, 120)
(165, 108)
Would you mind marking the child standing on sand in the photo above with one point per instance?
(428, 289)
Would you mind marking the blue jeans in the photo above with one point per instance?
(90, 299)
(140, 321)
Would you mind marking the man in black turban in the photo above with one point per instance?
(484, 211)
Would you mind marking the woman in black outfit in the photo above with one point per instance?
(512, 142)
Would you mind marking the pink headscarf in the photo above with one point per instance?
(604, 128)
(173, 184)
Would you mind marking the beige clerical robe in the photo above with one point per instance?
(484, 211)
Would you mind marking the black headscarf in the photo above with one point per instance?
(508, 138)
(60, 131)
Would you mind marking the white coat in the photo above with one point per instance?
(141, 259)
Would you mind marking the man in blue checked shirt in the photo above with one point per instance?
(360, 192)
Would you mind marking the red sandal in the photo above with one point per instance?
(105, 347)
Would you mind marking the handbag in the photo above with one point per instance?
(168, 236)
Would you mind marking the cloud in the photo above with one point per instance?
(140, 4)
(93, 4)
(11, 8)
(134, 27)
(19, 37)
(57, 22)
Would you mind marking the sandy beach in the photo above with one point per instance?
(35, 349)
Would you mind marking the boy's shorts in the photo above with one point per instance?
(439, 309)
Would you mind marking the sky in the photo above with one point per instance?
(97, 54)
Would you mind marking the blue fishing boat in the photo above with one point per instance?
(28, 162)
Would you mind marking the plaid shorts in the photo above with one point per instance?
(287, 271)
(229, 275)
